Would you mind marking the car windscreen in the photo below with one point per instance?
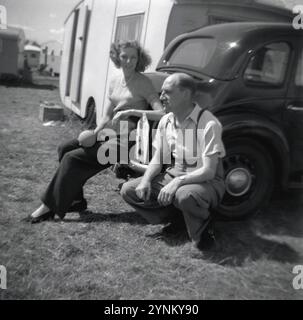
(193, 53)
(218, 58)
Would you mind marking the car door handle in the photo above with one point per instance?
(294, 108)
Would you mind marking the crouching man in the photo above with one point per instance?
(189, 138)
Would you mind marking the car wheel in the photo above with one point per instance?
(249, 178)
(89, 122)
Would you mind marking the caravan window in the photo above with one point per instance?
(129, 27)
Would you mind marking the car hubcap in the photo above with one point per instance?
(238, 181)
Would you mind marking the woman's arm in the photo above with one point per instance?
(149, 93)
(108, 109)
(108, 115)
(153, 115)
(146, 90)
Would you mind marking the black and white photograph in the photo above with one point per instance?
(151, 150)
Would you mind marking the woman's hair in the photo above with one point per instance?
(144, 59)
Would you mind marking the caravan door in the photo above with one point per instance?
(77, 26)
(80, 41)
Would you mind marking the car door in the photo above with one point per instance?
(294, 111)
(263, 86)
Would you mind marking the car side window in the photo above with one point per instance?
(299, 73)
(268, 65)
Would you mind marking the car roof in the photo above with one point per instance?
(246, 35)
(243, 30)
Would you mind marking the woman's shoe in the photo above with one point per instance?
(78, 206)
(49, 215)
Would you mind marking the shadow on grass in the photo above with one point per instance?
(236, 243)
(171, 240)
(239, 242)
(123, 217)
(284, 216)
(262, 236)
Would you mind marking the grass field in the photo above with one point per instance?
(109, 252)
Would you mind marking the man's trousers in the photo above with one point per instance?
(194, 200)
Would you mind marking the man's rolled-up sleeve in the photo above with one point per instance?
(213, 140)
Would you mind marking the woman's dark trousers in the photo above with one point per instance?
(77, 165)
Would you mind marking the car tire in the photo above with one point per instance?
(249, 178)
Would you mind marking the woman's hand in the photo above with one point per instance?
(121, 115)
(121, 107)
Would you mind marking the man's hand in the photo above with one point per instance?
(143, 190)
(167, 193)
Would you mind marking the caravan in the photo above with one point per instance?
(12, 42)
(93, 25)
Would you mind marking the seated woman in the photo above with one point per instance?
(130, 95)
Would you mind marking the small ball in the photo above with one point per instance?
(87, 138)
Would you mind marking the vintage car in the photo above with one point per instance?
(250, 75)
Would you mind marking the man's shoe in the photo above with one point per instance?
(207, 240)
(78, 206)
(173, 228)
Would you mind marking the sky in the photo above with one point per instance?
(43, 20)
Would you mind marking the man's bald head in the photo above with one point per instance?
(182, 81)
(178, 92)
